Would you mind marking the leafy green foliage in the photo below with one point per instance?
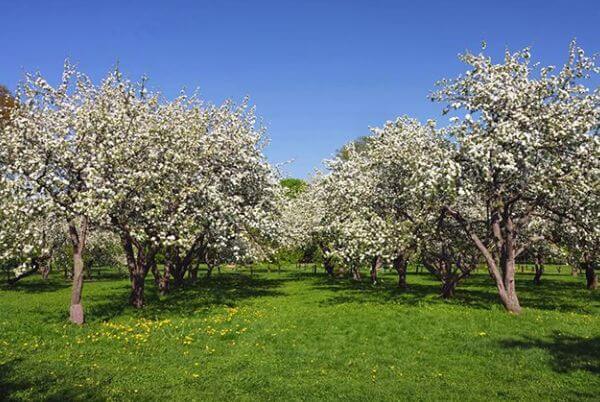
(293, 187)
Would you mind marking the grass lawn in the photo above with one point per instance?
(294, 335)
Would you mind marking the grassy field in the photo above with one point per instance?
(294, 335)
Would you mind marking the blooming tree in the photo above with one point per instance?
(53, 147)
(524, 139)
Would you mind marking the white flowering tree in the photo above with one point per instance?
(524, 139)
(306, 221)
(29, 232)
(578, 235)
(379, 197)
(202, 183)
(235, 199)
(54, 147)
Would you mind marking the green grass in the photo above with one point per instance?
(293, 335)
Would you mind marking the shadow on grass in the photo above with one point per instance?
(37, 285)
(568, 352)
(478, 291)
(220, 290)
(12, 385)
(56, 281)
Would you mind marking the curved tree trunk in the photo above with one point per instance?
(503, 274)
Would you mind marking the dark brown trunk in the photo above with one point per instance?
(139, 263)
(537, 278)
(539, 270)
(193, 274)
(328, 265)
(178, 276)
(448, 288)
(400, 264)
(591, 276)
(136, 299)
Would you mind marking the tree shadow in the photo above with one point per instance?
(42, 387)
(568, 352)
(36, 285)
(477, 291)
(56, 281)
(219, 290)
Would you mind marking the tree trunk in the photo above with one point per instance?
(591, 276)
(193, 274)
(539, 270)
(328, 265)
(504, 277)
(136, 299)
(509, 296)
(139, 264)
(45, 268)
(448, 288)
(355, 273)
(375, 266)
(156, 274)
(11, 281)
(78, 239)
(400, 264)
(178, 276)
(163, 283)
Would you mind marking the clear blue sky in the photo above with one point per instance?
(319, 72)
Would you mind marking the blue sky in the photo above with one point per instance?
(319, 72)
